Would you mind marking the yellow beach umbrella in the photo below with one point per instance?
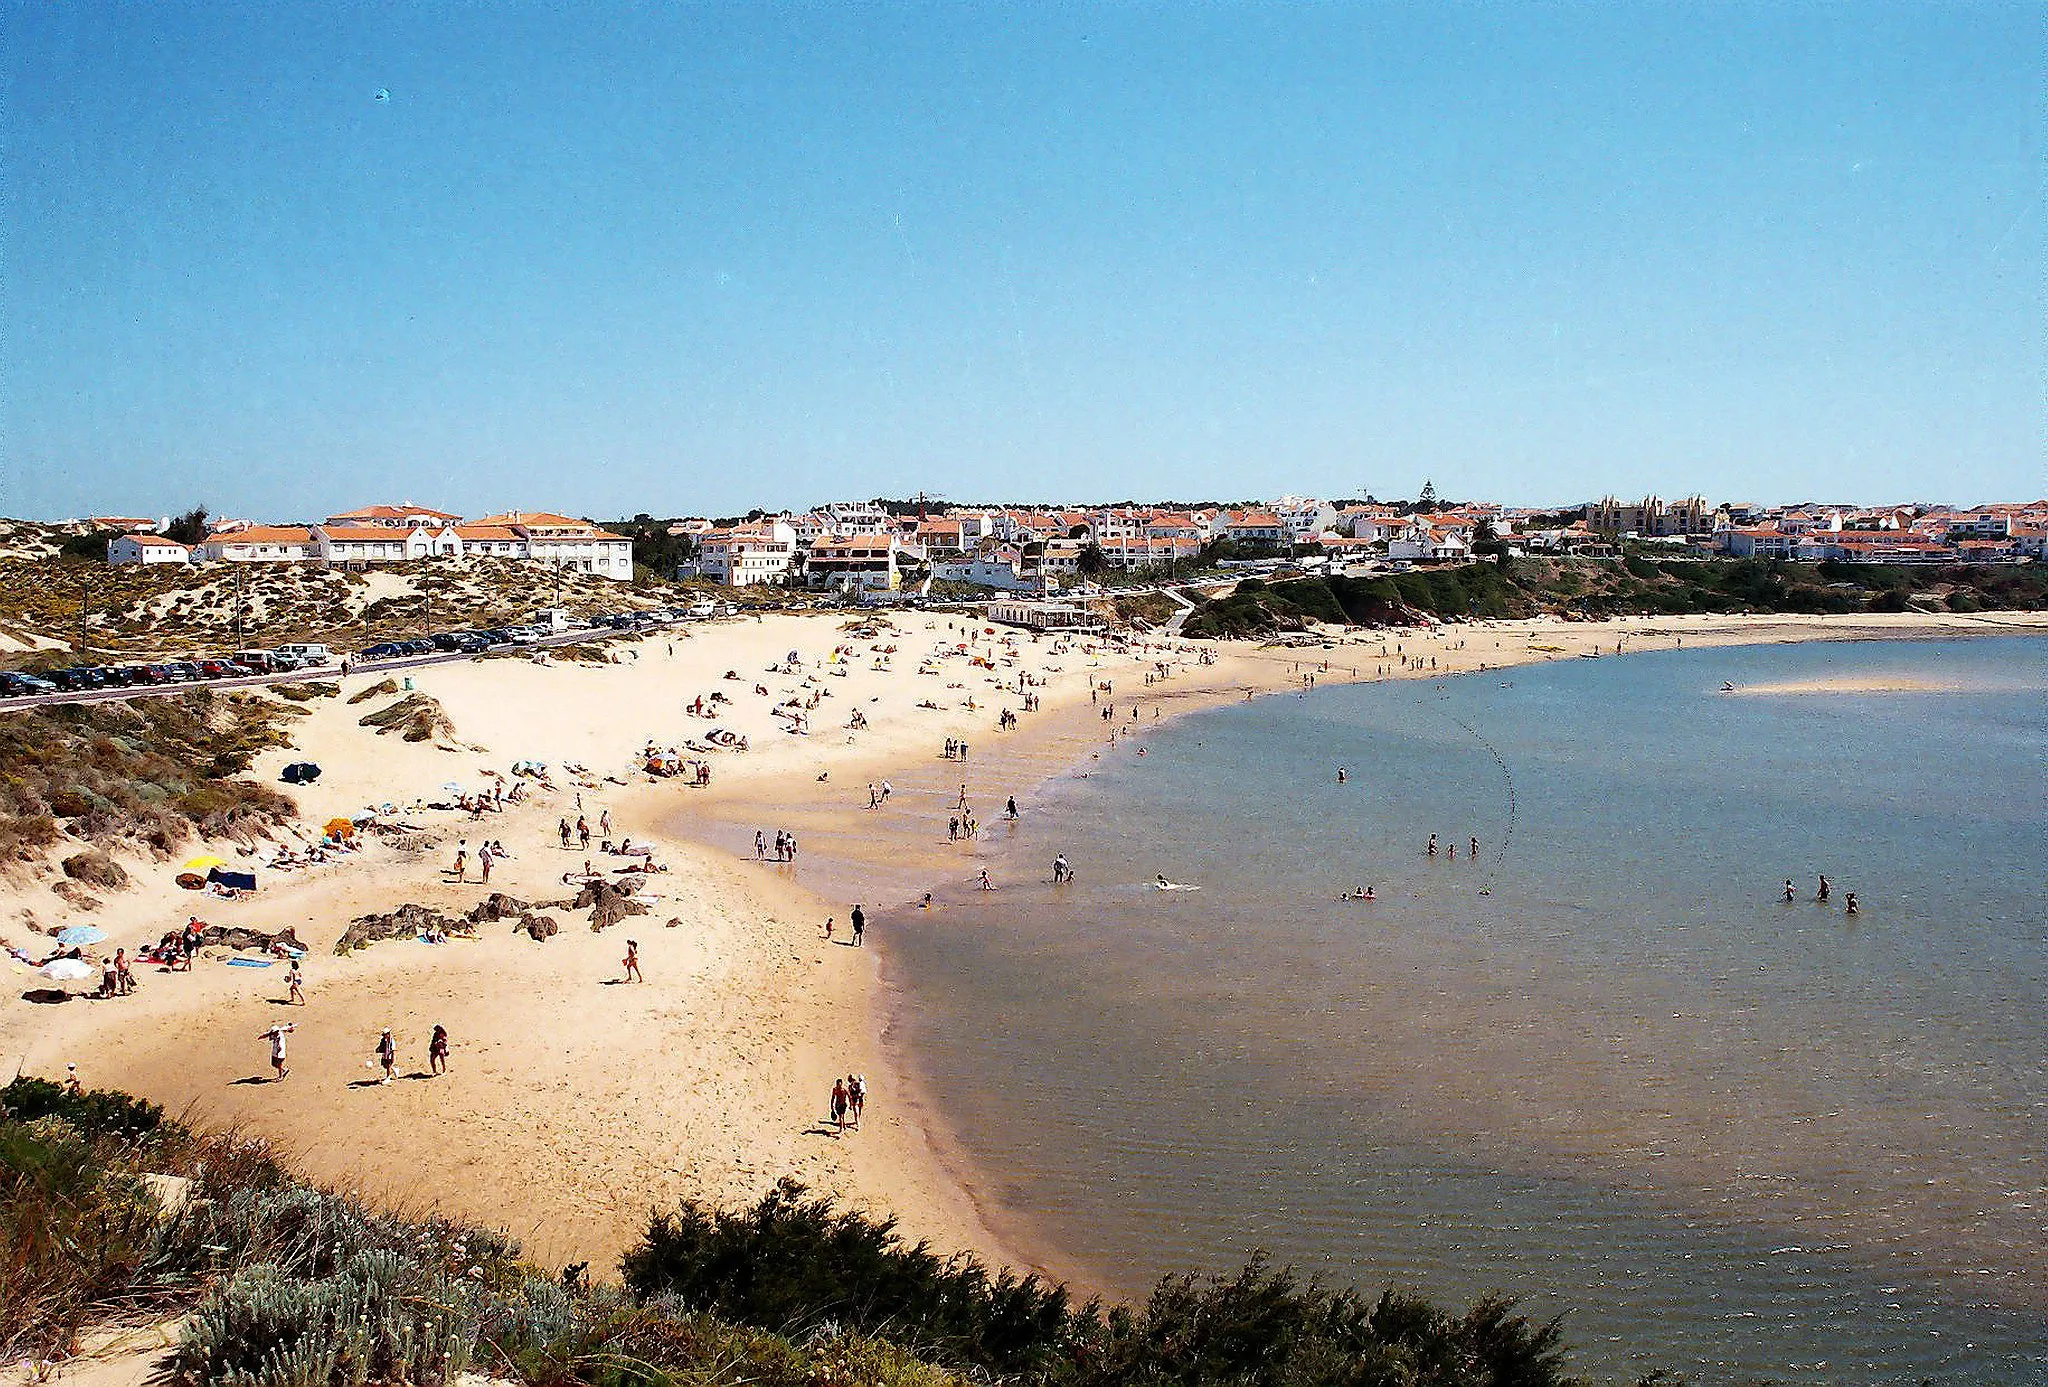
(340, 828)
(205, 864)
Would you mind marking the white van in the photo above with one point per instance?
(307, 656)
(553, 620)
(703, 607)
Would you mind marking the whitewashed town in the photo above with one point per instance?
(873, 547)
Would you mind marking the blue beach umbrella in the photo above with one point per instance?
(80, 935)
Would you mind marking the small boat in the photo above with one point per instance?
(1589, 654)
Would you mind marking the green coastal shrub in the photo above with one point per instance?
(795, 1261)
(380, 1318)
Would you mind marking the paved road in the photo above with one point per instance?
(249, 681)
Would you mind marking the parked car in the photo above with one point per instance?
(73, 680)
(262, 661)
(117, 676)
(702, 608)
(162, 674)
(497, 635)
(143, 674)
(382, 650)
(183, 671)
(218, 669)
(418, 645)
(309, 656)
(17, 685)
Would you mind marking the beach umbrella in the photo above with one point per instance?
(68, 970)
(205, 864)
(81, 934)
(341, 828)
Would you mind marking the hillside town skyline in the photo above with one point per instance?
(886, 545)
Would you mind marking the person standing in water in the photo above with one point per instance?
(1822, 894)
(1431, 850)
(1791, 891)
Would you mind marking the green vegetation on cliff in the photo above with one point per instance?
(1635, 585)
(145, 773)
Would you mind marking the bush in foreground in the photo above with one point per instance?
(283, 1284)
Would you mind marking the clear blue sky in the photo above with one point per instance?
(690, 259)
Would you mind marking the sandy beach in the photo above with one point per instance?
(575, 1102)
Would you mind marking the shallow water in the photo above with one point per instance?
(1603, 1065)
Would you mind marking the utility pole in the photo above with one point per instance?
(84, 601)
(240, 572)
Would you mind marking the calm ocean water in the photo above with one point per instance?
(1603, 1065)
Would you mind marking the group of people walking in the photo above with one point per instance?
(783, 848)
(384, 1055)
(849, 1100)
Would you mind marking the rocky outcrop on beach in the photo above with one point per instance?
(608, 902)
(417, 717)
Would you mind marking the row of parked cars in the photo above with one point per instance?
(240, 665)
(84, 678)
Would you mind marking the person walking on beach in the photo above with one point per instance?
(462, 861)
(632, 961)
(483, 860)
(760, 844)
(1010, 808)
(565, 833)
(387, 1055)
(860, 930)
(295, 985)
(828, 929)
(437, 1050)
(583, 831)
(604, 823)
(275, 1035)
(1061, 872)
(857, 1096)
(840, 1098)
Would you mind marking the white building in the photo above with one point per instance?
(573, 546)
(860, 563)
(743, 555)
(857, 518)
(257, 544)
(124, 550)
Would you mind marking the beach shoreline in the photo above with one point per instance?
(575, 1111)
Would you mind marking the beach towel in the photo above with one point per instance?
(248, 963)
